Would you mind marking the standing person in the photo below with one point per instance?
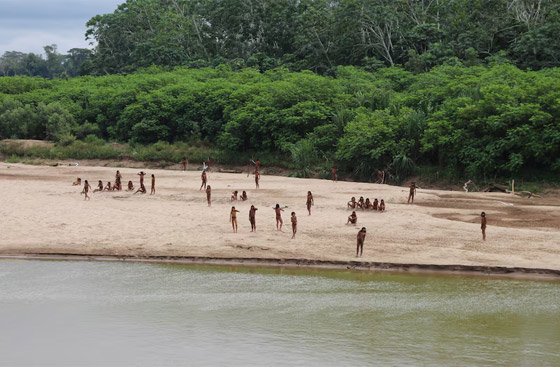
(379, 176)
(233, 218)
(382, 206)
(252, 218)
(294, 224)
(412, 193)
(118, 185)
(184, 163)
(278, 212)
(209, 195)
(204, 178)
(142, 174)
(257, 164)
(87, 187)
(360, 241)
(309, 201)
(482, 225)
(257, 177)
(335, 174)
(352, 218)
(208, 163)
(153, 190)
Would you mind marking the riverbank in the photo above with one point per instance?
(44, 214)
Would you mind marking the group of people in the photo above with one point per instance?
(117, 186)
(378, 206)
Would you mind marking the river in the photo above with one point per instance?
(70, 313)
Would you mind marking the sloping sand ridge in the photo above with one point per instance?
(42, 212)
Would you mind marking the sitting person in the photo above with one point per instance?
(352, 203)
(367, 204)
(375, 205)
(352, 218)
(142, 189)
(361, 203)
(234, 195)
(99, 186)
(78, 182)
(382, 206)
(108, 187)
(243, 195)
(130, 186)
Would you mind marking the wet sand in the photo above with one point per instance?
(42, 213)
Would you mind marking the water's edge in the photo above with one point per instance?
(512, 272)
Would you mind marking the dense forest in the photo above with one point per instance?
(481, 121)
(467, 86)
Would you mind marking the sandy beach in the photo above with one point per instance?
(43, 213)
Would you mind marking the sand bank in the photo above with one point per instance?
(43, 213)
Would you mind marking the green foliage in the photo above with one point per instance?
(476, 121)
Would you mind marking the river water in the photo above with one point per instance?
(67, 313)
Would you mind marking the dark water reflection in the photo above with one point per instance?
(94, 313)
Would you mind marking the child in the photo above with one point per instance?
(309, 201)
(367, 204)
(352, 203)
(130, 186)
(252, 213)
(233, 218)
(99, 186)
(153, 190)
(209, 195)
(482, 225)
(87, 187)
(294, 224)
(234, 195)
(278, 212)
(352, 218)
(108, 186)
(244, 196)
(375, 205)
(360, 241)
(78, 182)
(204, 179)
(382, 206)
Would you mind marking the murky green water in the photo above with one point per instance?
(93, 313)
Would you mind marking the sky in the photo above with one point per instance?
(28, 25)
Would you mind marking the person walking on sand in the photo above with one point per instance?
(87, 187)
(252, 218)
(209, 195)
(153, 190)
(294, 224)
(335, 174)
(309, 202)
(278, 212)
(412, 193)
(360, 241)
(204, 178)
(483, 225)
(352, 218)
(257, 177)
(233, 218)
